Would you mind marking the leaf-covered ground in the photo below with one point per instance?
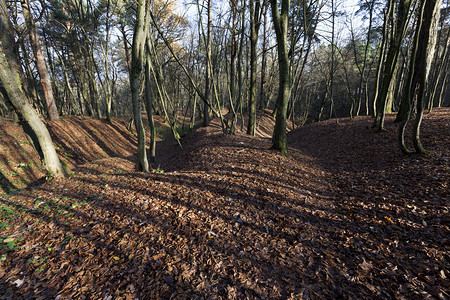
(346, 216)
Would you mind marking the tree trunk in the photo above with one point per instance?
(264, 62)
(439, 71)
(10, 78)
(280, 22)
(381, 60)
(440, 95)
(428, 34)
(233, 56)
(208, 68)
(149, 105)
(397, 36)
(421, 58)
(105, 51)
(362, 78)
(239, 68)
(137, 57)
(41, 67)
(255, 21)
(125, 46)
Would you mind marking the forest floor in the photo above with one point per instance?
(346, 216)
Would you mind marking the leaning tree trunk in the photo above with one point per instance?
(10, 79)
(41, 67)
(280, 21)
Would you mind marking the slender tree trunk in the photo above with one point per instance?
(30, 81)
(439, 72)
(445, 81)
(362, 78)
(105, 50)
(255, 21)
(333, 13)
(381, 60)
(208, 68)
(239, 66)
(52, 110)
(126, 48)
(233, 56)
(264, 62)
(149, 105)
(52, 71)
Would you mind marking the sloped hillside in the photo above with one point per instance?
(344, 216)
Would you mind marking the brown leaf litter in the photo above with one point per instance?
(346, 216)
